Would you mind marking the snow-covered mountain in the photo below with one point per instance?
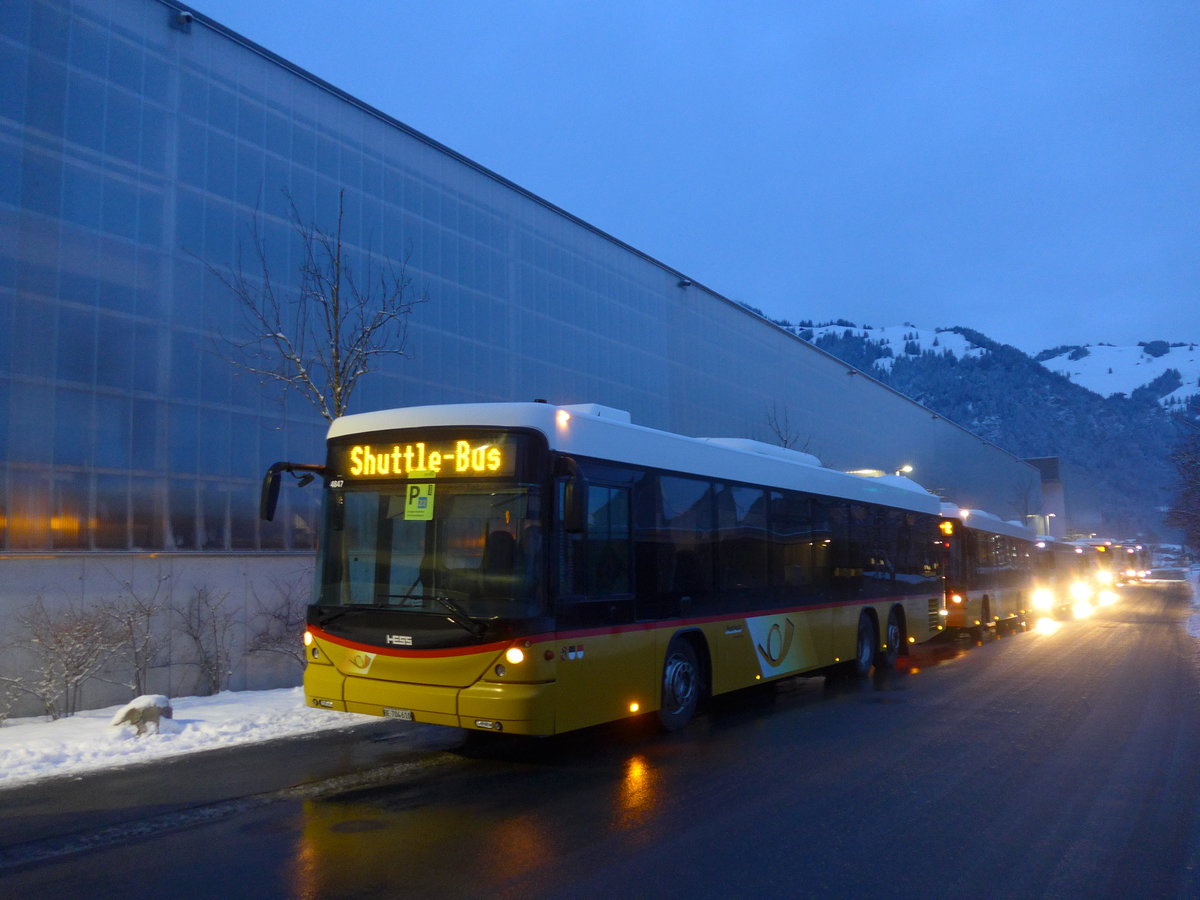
(1119, 426)
(1170, 371)
(1166, 372)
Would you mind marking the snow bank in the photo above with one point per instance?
(39, 748)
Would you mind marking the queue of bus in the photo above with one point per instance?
(533, 569)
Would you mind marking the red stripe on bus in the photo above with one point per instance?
(497, 646)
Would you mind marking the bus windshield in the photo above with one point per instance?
(470, 551)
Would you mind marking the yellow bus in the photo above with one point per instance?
(988, 569)
(533, 569)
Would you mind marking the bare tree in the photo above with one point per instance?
(209, 620)
(318, 339)
(68, 646)
(780, 425)
(1184, 512)
(279, 621)
(134, 615)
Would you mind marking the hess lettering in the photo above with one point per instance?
(461, 458)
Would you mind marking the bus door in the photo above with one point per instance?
(604, 662)
(799, 563)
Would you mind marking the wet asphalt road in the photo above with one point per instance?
(1037, 765)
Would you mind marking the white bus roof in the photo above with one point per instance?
(981, 520)
(591, 430)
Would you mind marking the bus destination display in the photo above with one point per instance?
(427, 459)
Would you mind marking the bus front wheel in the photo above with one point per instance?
(681, 685)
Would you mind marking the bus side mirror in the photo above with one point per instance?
(268, 498)
(574, 511)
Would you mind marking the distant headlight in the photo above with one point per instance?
(1081, 592)
(1043, 600)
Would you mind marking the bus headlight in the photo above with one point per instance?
(514, 655)
(1043, 600)
(1081, 592)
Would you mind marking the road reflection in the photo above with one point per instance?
(637, 794)
(935, 653)
(504, 807)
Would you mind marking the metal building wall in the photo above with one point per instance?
(136, 150)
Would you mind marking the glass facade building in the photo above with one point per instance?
(139, 150)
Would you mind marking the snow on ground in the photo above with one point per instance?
(35, 748)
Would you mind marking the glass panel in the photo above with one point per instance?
(183, 434)
(114, 362)
(243, 518)
(72, 428)
(29, 513)
(85, 113)
(111, 529)
(112, 432)
(181, 511)
(69, 524)
(214, 509)
(146, 516)
(76, 344)
(122, 126)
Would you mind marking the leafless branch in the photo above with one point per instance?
(208, 620)
(327, 334)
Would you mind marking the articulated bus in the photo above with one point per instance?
(987, 569)
(533, 569)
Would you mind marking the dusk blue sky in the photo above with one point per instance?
(1027, 169)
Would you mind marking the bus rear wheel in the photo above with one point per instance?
(894, 636)
(867, 644)
(681, 685)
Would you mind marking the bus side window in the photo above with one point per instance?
(596, 561)
(608, 557)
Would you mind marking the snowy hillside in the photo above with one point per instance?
(898, 339)
(1043, 406)
(1168, 373)
(1173, 370)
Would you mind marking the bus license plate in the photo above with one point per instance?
(405, 714)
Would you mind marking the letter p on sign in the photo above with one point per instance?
(418, 502)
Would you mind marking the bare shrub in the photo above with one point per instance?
(209, 621)
(68, 646)
(279, 620)
(134, 615)
(10, 690)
